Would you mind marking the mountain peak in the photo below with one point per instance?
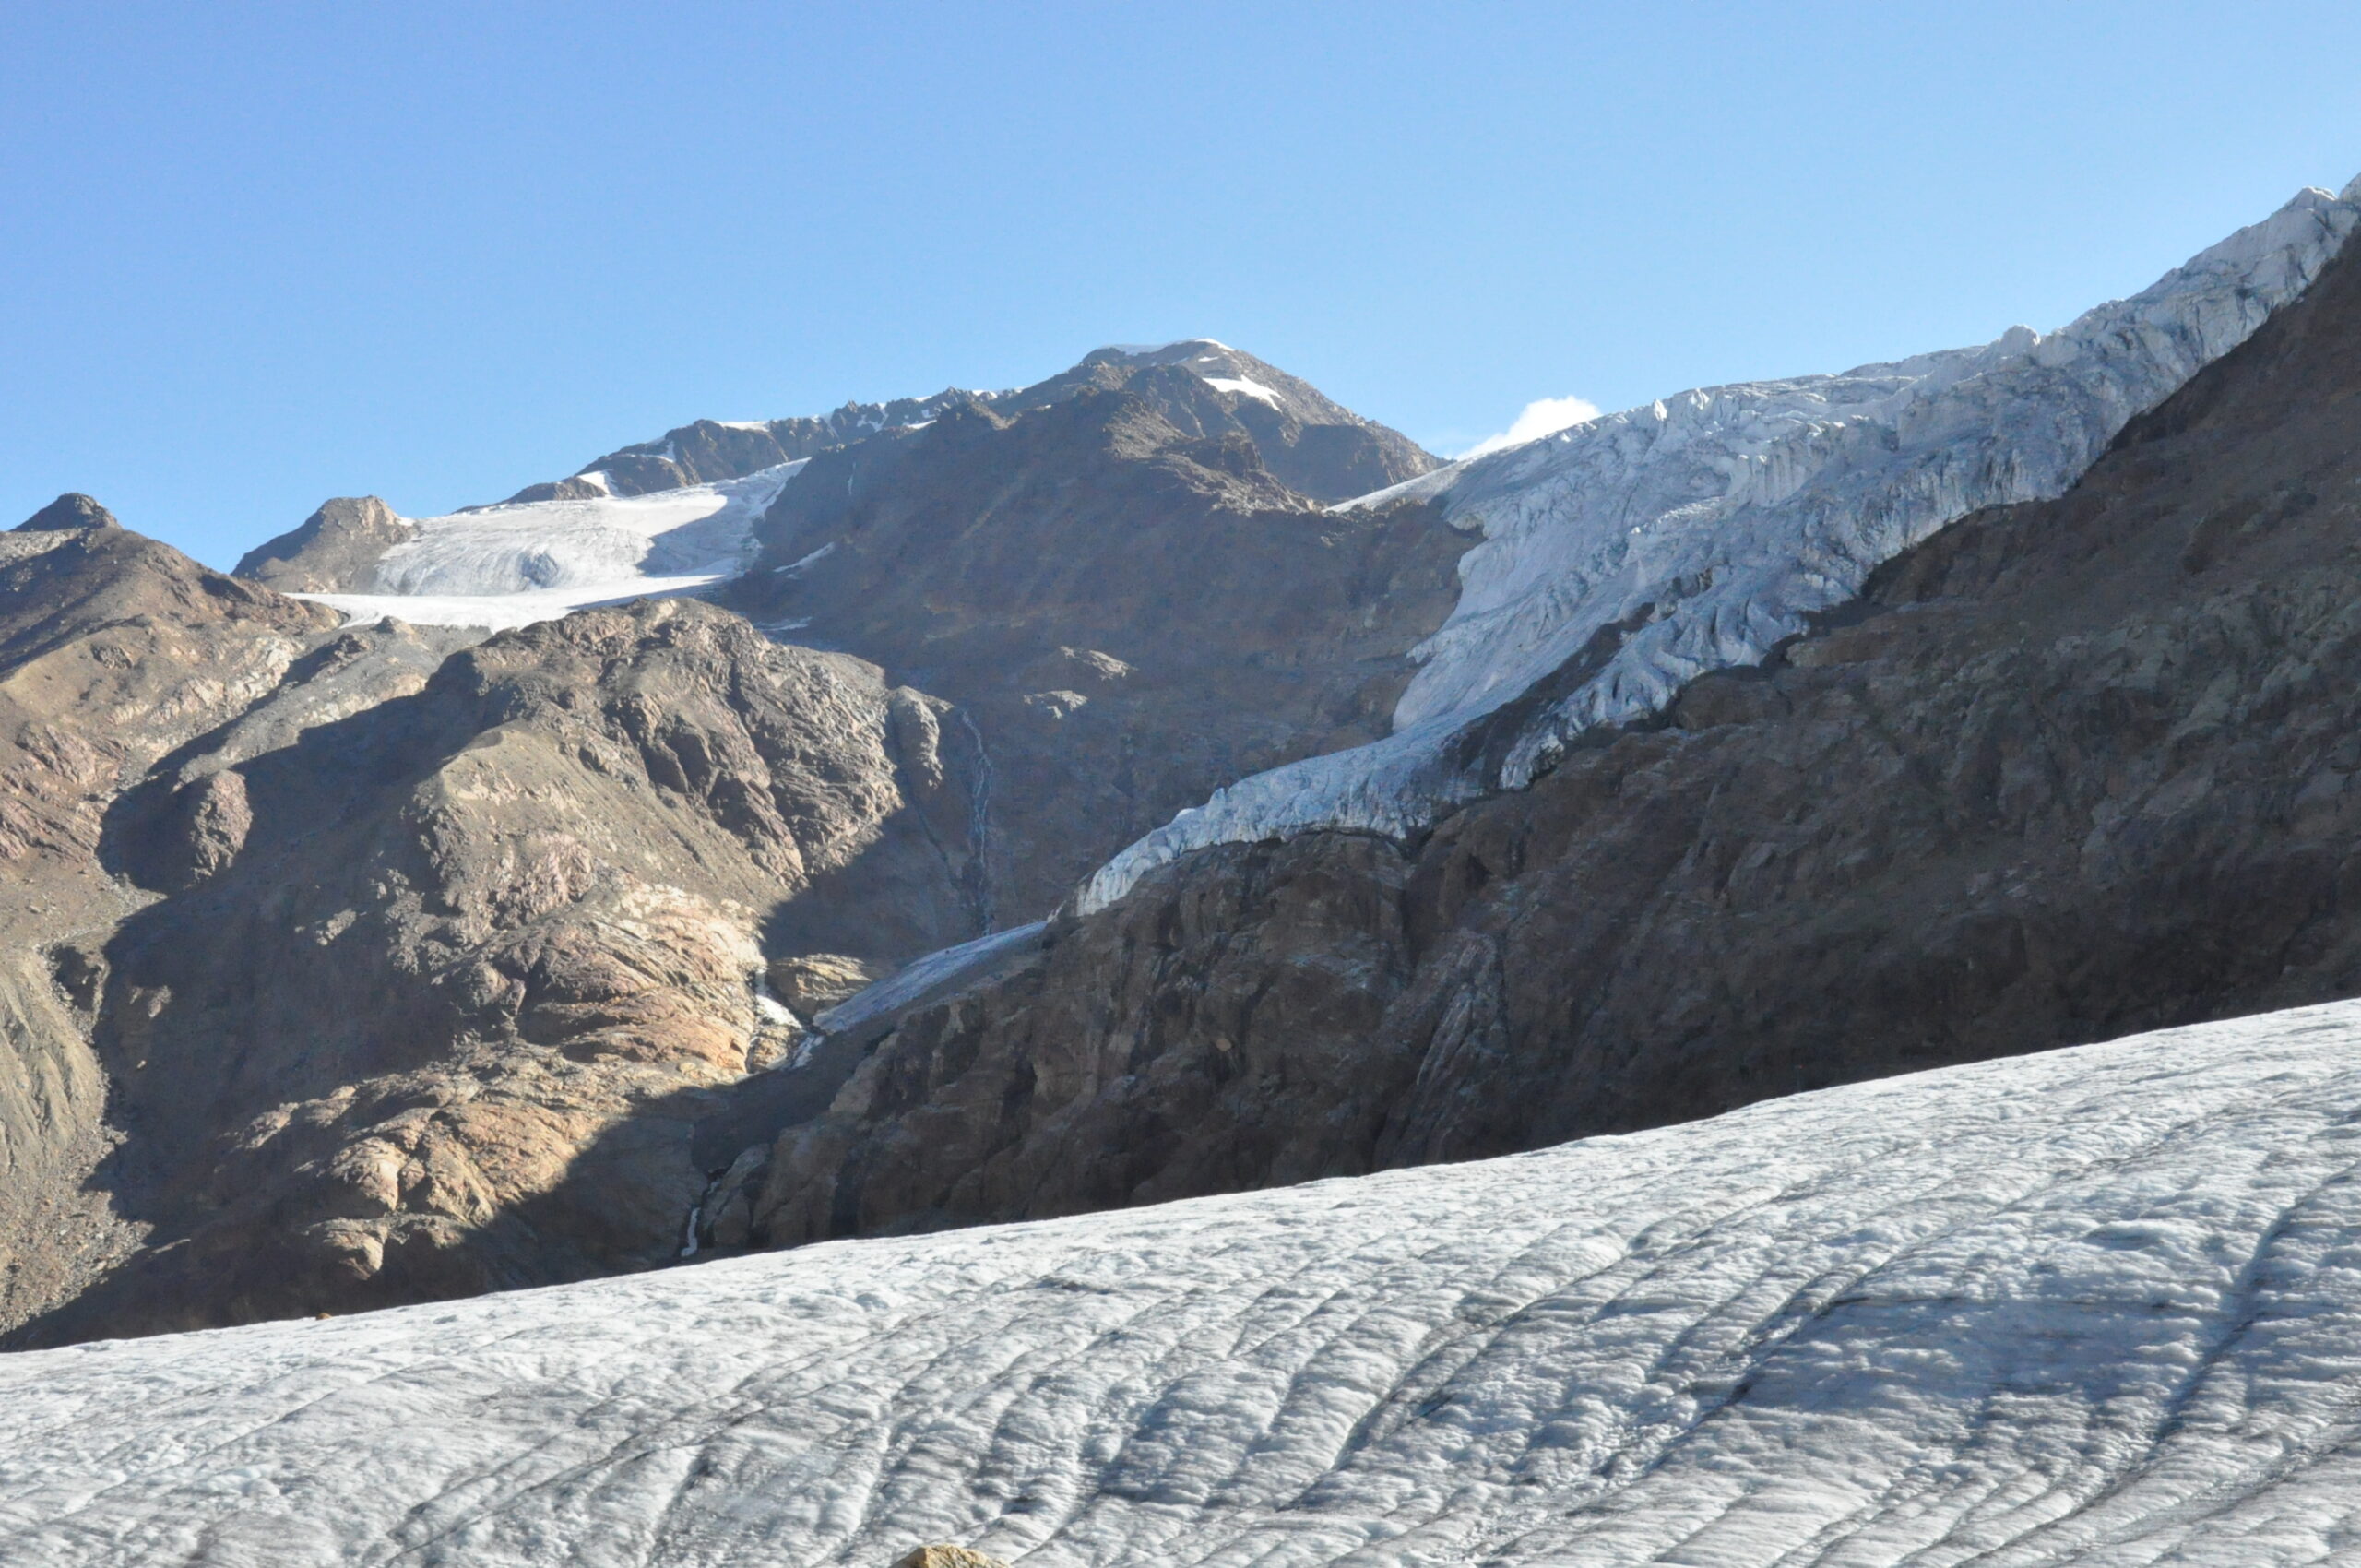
(72, 510)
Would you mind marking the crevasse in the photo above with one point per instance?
(1708, 526)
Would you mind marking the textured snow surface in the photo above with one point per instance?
(2099, 1306)
(501, 567)
(1709, 525)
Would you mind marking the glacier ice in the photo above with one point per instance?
(513, 565)
(2100, 1305)
(1699, 531)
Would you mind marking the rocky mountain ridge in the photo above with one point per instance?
(1312, 442)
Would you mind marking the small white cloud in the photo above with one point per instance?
(1545, 417)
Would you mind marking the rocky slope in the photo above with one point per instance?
(422, 962)
(1130, 607)
(2095, 1307)
(114, 652)
(2068, 769)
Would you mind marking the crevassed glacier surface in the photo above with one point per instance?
(1708, 526)
(2099, 1306)
(513, 565)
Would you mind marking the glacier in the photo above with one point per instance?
(2100, 1305)
(1697, 532)
(513, 565)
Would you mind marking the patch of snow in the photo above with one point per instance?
(743, 424)
(1241, 386)
(511, 565)
(1712, 524)
(935, 974)
(801, 562)
(2096, 1306)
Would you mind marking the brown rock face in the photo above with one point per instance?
(115, 651)
(333, 551)
(2071, 771)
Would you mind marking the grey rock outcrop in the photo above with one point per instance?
(479, 940)
(69, 511)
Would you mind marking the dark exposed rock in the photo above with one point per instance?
(2071, 769)
(334, 550)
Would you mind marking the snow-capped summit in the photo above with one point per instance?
(1629, 554)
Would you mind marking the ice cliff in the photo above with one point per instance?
(2099, 1305)
(1697, 532)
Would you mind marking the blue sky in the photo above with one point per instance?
(255, 256)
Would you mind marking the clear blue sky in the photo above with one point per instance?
(255, 256)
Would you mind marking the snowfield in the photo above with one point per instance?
(513, 564)
(1707, 527)
(2099, 1306)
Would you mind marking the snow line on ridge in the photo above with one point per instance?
(2094, 1305)
(1713, 523)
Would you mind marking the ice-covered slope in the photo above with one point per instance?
(1697, 532)
(2099, 1306)
(513, 565)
